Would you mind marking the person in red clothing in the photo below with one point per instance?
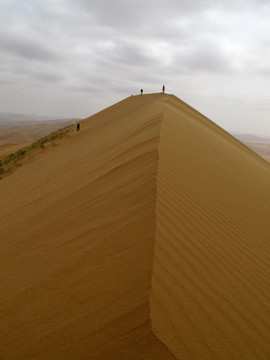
(163, 88)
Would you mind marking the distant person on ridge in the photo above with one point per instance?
(141, 91)
(78, 127)
(163, 89)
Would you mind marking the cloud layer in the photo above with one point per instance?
(62, 57)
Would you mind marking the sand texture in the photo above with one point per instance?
(146, 235)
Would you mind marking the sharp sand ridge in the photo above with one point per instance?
(146, 235)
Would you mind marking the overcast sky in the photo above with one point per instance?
(74, 58)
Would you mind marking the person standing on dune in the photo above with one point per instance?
(141, 91)
(163, 89)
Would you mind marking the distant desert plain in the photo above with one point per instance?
(259, 144)
(17, 131)
(145, 235)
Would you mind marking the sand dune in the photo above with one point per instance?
(143, 236)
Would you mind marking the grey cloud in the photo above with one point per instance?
(86, 88)
(152, 14)
(49, 77)
(125, 54)
(137, 17)
(134, 12)
(206, 58)
(4, 81)
(132, 54)
(29, 49)
(118, 12)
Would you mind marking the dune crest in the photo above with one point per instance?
(143, 236)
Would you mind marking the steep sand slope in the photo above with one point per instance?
(149, 218)
(211, 276)
(77, 236)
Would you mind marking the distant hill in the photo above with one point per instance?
(19, 128)
(260, 144)
(9, 119)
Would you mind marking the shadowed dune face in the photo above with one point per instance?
(77, 230)
(143, 236)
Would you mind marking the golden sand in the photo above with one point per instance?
(143, 236)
